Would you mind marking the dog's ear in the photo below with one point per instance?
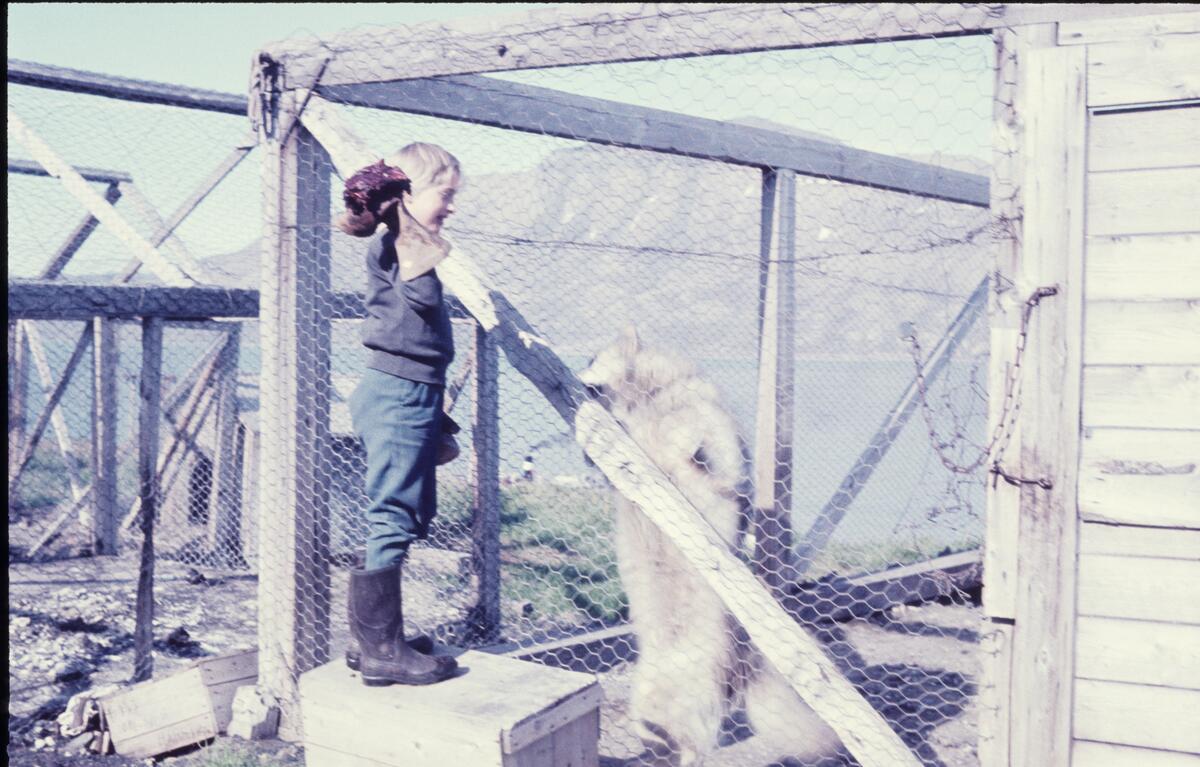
(630, 344)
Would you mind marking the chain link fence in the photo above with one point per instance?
(885, 293)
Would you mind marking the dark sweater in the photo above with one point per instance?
(408, 325)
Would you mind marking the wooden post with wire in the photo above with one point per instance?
(148, 416)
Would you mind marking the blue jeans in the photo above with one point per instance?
(399, 421)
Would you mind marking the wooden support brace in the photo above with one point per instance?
(154, 230)
(295, 396)
(785, 645)
(18, 466)
(78, 237)
(95, 204)
(775, 415)
(225, 508)
(18, 393)
(165, 229)
(835, 509)
(189, 409)
(485, 466)
(61, 432)
(177, 468)
(105, 514)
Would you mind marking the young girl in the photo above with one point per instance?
(397, 408)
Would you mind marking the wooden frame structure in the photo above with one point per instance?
(1040, 559)
(1030, 611)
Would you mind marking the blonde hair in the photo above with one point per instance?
(426, 164)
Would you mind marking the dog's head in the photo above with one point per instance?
(607, 376)
(625, 373)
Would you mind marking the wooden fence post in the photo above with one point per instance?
(775, 413)
(295, 450)
(225, 506)
(18, 371)
(105, 514)
(485, 466)
(1043, 647)
(148, 415)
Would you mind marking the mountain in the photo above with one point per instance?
(595, 237)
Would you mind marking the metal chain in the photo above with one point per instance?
(1002, 434)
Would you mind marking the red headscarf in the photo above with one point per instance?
(373, 185)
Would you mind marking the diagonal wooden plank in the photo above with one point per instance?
(834, 510)
(181, 435)
(167, 244)
(61, 432)
(168, 226)
(106, 213)
(789, 648)
(17, 467)
(78, 237)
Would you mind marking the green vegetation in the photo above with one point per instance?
(557, 548)
(226, 753)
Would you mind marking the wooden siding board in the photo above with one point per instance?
(1139, 588)
(1140, 477)
(1134, 541)
(1138, 715)
(1152, 138)
(1145, 267)
(1142, 397)
(1139, 652)
(1142, 333)
(1087, 753)
(1155, 201)
(1102, 30)
(1144, 71)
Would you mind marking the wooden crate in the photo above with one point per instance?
(222, 676)
(502, 712)
(187, 707)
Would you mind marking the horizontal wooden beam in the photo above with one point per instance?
(549, 112)
(609, 33)
(125, 89)
(841, 599)
(38, 300)
(32, 168)
(29, 299)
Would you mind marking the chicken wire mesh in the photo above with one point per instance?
(73, 469)
(584, 238)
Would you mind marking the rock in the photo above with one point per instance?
(179, 637)
(78, 744)
(254, 716)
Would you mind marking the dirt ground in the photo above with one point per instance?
(71, 629)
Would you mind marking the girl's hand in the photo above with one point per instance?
(418, 250)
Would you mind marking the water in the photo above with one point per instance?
(839, 405)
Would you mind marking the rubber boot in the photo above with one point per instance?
(420, 642)
(377, 622)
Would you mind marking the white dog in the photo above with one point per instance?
(692, 668)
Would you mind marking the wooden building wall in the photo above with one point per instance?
(1091, 648)
(1137, 632)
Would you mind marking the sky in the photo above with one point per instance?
(924, 98)
(204, 45)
